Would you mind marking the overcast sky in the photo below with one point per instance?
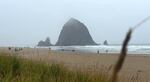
(25, 22)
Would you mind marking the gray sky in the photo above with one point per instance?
(25, 22)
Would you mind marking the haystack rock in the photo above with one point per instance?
(74, 33)
(45, 43)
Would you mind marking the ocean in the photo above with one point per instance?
(132, 49)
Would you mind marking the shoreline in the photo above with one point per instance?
(5, 49)
(111, 49)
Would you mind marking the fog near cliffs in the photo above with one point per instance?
(25, 22)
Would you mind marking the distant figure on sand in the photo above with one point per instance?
(73, 50)
(62, 50)
(9, 48)
(97, 51)
(18, 49)
(106, 51)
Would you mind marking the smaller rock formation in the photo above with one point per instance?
(45, 43)
(105, 42)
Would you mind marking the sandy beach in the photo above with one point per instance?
(134, 65)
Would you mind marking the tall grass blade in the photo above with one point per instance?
(122, 56)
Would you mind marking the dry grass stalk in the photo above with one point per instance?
(123, 53)
(122, 57)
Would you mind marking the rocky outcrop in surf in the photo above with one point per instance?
(45, 43)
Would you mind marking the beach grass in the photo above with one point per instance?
(14, 69)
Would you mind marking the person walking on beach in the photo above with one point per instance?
(97, 51)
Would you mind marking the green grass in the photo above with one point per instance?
(13, 69)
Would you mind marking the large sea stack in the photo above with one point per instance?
(74, 33)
